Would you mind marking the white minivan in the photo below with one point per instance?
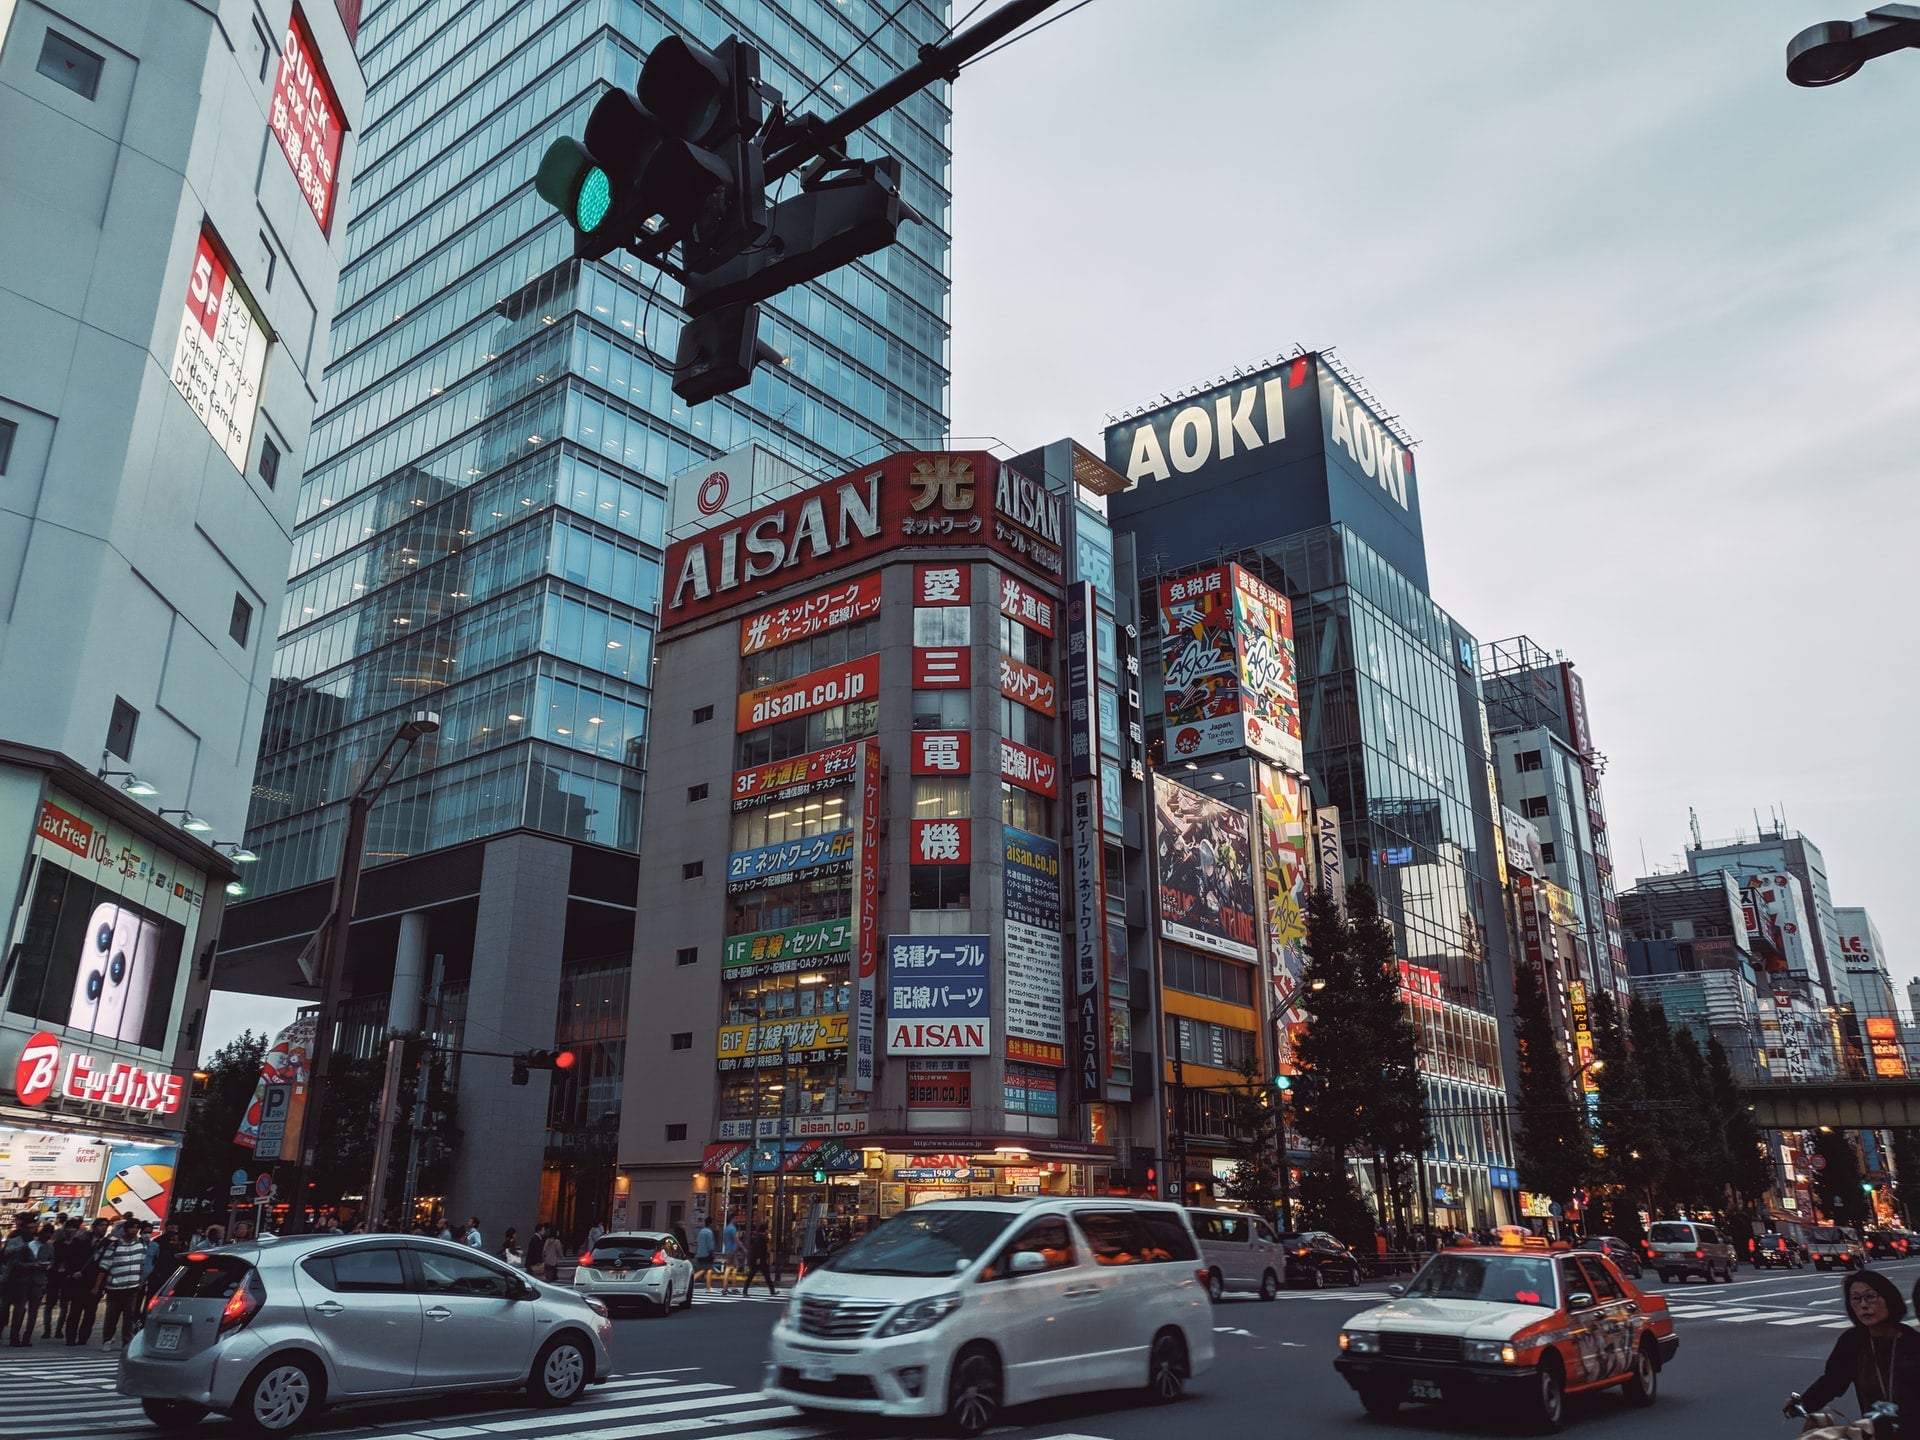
(960, 1308)
(1241, 1251)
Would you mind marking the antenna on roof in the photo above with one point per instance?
(1693, 824)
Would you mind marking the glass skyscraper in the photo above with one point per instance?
(480, 532)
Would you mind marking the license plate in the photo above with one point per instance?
(1423, 1390)
(821, 1373)
(619, 1274)
(168, 1338)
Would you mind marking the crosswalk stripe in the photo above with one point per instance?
(1805, 1320)
(716, 1422)
(599, 1412)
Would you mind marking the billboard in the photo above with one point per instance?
(1285, 449)
(797, 778)
(285, 1063)
(840, 684)
(866, 919)
(914, 500)
(765, 866)
(1029, 769)
(1329, 854)
(139, 1182)
(840, 603)
(1283, 893)
(1227, 661)
(1883, 1039)
(779, 952)
(1205, 871)
(1522, 839)
(939, 995)
(1035, 1011)
(1083, 751)
(1089, 943)
(220, 357)
(305, 117)
(1027, 605)
(807, 1039)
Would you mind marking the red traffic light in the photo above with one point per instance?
(563, 1060)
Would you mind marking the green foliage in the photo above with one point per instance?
(1254, 1150)
(1836, 1185)
(1749, 1173)
(1552, 1149)
(209, 1157)
(1329, 1201)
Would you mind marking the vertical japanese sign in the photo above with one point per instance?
(306, 119)
(221, 355)
(866, 917)
(1083, 755)
(1329, 854)
(1036, 1022)
(1089, 944)
(1227, 657)
(1283, 883)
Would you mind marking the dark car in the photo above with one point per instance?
(1616, 1250)
(1316, 1259)
(1775, 1252)
(1888, 1244)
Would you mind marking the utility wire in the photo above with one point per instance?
(978, 6)
(1016, 39)
(849, 57)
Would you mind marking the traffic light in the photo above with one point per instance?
(819, 1174)
(1283, 1083)
(529, 1060)
(1144, 1171)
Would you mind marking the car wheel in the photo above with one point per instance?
(560, 1372)
(1643, 1381)
(1167, 1368)
(686, 1301)
(1549, 1405)
(973, 1391)
(1216, 1287)
(1379, 1401)
(1269, 1285)
(278, 1395)
(1666, 1277)
(1317, 1278)
(173, 1414)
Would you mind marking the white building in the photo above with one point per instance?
(172, 196)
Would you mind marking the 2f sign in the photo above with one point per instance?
(1197, 436)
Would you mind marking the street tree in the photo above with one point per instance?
(1255, 1145)
(1630, 1145)
(1748, 1174)
(1552, 1149)
(209, 1155)
(1836, 1182)
(1395, 1115)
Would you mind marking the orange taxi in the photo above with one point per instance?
(1509, 1325)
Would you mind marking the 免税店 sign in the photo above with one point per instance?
(42, 1071)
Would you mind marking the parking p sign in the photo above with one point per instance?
(271, 1136)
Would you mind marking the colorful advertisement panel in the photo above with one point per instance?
(306, 118)
(912, 501)
(285, 1063)
(939, 995)
(808, 1039)
(220, 357)
(820, 690)
(1883, 1039)
(768, 865)
(775, 952)
(1269, 685)
(840, 603)
(1283, 896)
(139, 1183)
(1227, 657)
(866, 920)
(794, 779)
(1035, 1010)
(1205, 870)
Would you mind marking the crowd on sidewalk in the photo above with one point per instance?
(55, 1276)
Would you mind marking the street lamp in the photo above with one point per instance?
(1827, 53)
(326, 953)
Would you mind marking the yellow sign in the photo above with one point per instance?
(1536, 1207)
(804, 1037)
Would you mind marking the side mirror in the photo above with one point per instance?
(527, 1291)
(1396, 1291)
(1579, 1300)
(1026, 1262)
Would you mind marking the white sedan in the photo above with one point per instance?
(636, 1266)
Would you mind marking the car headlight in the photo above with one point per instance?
(793, 1310)
(597, 1306)
(1360, 1342)
(921, 1314)
(1489, 1352)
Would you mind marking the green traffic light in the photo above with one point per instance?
(1283, 1082)
(819, 1177)
(595, 199)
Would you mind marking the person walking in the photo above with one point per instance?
(85, 1290)
(26, 1261)
(550, 1256)
(71, 1253)
(594, 1234)
(510, 1250)
(729, 1253)
(472, 1235)
(123, 1264)
(536, 1250)
(703, 1249)
(166, 1259)
(759, 1262)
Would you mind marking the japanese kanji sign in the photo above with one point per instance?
(221, 355)
(770, 865)
(1027, 605)
(942, 669)
(776, 952)
(305, 117)
(942, 752)
(841, 603)
(943, 584)
(811, 1038)
(790, 779)
(1029, 769)
(942, 842)
(939, 994)
(1034, 975)
(866, 920)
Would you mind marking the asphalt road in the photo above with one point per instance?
(1743, 1347)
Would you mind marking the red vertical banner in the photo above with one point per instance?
(866, 918)
(943, 584)
(944, 669)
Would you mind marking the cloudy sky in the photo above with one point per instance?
(1653, 313)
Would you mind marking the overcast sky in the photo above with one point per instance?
(1653, 313)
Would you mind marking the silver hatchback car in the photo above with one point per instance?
(271, 1331)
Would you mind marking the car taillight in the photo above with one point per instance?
(586, 1261)
(659, 1257)
(242, 1305)
(1301, 1251)
(1203, 1274)
(1699, 1254)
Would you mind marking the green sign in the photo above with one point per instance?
(797, 943)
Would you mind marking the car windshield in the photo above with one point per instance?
(1594, 1242)
(1502, 1279)
(923, 1242)
(1670, 1232)
(628, 1247)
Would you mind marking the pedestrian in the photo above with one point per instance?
(594, 1234)
(550, 1256)
(703, 1251)
(536, 1250)
(729, 1253)
(1876, 1355)
(759, 1262)
(71, 1252)
(510, 1248)
(472, 1236)
(166, 1260)
(123, 1266)
(216, 1235)
(85, 1291)
(26, 1262)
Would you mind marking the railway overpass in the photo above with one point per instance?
(1839, 1104)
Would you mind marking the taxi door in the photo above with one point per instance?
(1615, 1316)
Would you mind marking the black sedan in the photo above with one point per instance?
(1316, 1259)
(1616, 1250)
(1775, 1252)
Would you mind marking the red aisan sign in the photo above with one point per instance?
(942, 752)
(306, 118)
(1027, 685)
(839, 604)
(1029, 769)
(819, 690)
(802, 775)
(914, 500)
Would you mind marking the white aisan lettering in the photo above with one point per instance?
(763, 540)
(810, 530)
(693, 572)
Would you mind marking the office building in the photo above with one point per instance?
(481, 535)
(1804, 909)
(1863, 956)
(1297, 476)
(173, 181)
